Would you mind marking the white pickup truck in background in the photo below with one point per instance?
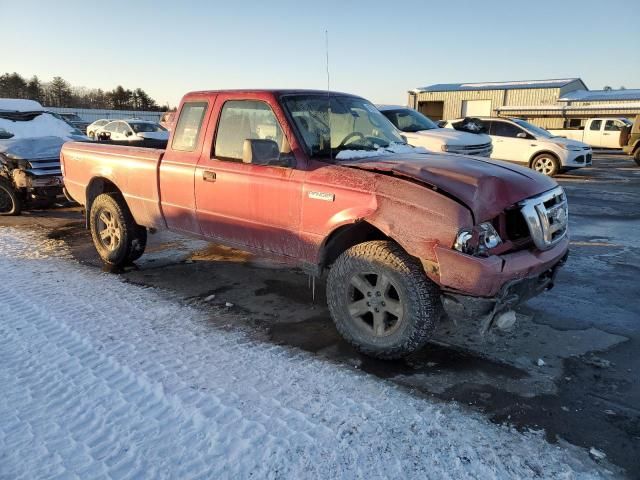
(597, 132)
(421, 131)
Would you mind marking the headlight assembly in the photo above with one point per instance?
(477, 240)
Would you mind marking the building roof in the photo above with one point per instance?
(570, 108)
(510, 85)
(601, 95)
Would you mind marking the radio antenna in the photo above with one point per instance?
(326, 44)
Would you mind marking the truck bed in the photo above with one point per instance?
(133, 170)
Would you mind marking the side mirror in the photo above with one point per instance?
(262, 152)
(521, 135)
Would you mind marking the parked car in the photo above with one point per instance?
(75, 120)
(30, 143)
(167, 118)
(597, 132)
(95, 126)
(421, 131)
(631, 140)
(141, 132)
(403, 232)
(516, 140)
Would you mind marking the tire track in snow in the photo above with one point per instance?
(107, 379)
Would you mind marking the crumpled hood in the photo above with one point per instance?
(485, 187)
(35, 147)
(452, 137)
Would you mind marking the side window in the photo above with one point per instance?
(111, 127)
(242, 120)
(595, 125)
(504, 129)
(612, 126)
(187, 130)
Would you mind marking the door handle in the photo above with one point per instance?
(209, 176)
(606, 134)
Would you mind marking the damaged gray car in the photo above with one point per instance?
(30, 144)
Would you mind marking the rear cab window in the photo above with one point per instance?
(189, 126)
(595, 125)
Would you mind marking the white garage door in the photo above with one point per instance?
(476, 108)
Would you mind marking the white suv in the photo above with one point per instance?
(518, 141)
(421, 131)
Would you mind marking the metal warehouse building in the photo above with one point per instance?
(548, 103)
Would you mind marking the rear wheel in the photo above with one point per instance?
(381, 300)
(636, 157)
(10, 201)
(546, 164)
(117, 237)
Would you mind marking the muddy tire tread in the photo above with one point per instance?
(130, 229)
(423, 295)
(17, 201)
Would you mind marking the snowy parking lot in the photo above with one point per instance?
(207, 363)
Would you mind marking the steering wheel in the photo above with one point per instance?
(350, 136)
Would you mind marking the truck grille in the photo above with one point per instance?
(547, 216)
(44, 166)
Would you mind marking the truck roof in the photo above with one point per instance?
(275, 91)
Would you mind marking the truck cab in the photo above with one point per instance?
(596, 132)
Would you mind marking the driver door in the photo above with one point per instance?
(249, 205)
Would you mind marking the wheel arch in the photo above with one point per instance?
(345, 237)
(98, 186)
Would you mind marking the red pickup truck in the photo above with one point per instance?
(325, 181)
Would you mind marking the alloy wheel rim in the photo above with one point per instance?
(109, 231)
(544, 165)
(374, 303)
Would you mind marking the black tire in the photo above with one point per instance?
(547, 164)
(117, 237)
(407, 318)
(10, 201)
(636, 156)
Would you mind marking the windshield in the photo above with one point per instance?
(409, 120)
(354, 124)
(139, 127)
(71, 116)
(537, 131)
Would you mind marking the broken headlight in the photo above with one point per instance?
(477, 240)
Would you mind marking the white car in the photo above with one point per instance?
(518, 141)
(133, 131)
(421, 131)
(95, 126)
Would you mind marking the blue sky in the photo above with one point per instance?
(377, 49)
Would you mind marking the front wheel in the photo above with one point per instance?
(381, 300)
(636, 157)
(117, 237)
(10, 201)
(546, 164)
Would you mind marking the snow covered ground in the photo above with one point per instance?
(103, 379)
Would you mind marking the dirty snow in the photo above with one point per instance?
(105, 379)
(380, 152)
